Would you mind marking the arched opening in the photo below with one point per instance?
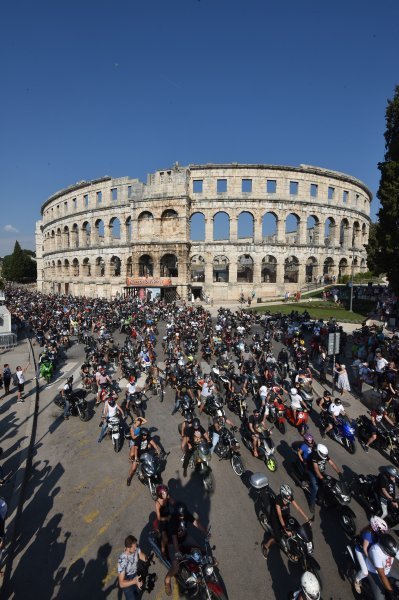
(197, 227)
(329, 232)
(75, 236)
(364, 234)
(128, 229)
(59, 268)
(86, 233)
(115, 229)
(145, 223)
(146, 266)
(363, 265)
(245, 226)
(100, 267)
(66, 267)
(220, 269)
(355, 265)
(99, 232)
(53, 269)
(343, 268)
(269, 228)
(75, 267)
(52, 240)
(169, 266)
(197, 268)
(312, 231)
(66, 240)
(269, 269)
(221, 226)
(129, 267)
(170, 222)
(86, 267)
(292, 229)
(356, 235)
(311, 271)
(343, 233)
(245, 269)
(328, 269)
(58, 239)
(115, 266)
(291, 269)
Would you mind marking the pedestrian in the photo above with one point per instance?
(128, 578)
(342, 379)
(20, 381)
(7, 375)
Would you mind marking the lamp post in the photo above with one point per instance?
(351, 282)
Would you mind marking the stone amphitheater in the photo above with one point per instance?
(204, 231)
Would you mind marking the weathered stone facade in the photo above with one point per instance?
(215, 230)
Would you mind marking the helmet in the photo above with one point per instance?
(388, 545)
(286, 492)
(144, 431)
(196, 423)
(309, 439)
(160, 489)
(180, 509)
(132, 379)
(380, 410)
(189, 416)
(378, 525)
(293, 391)
(392, 471)
(326, 394)
(111, 400)
(322, 451)
(337, 401)
(310, 586)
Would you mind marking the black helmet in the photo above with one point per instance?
(144, 431)
(326, 393)
(391, 471)
(196, 423)
(388, 545)
(337, 400)
(189, 416)
(180, 509)
(380, 410)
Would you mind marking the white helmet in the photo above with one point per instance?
(378, 525)
(310, 586)
(322, 451)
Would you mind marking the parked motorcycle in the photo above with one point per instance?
(228, 448)
(149, 471)
(77, 399)
(266, 448)
(387, 440)
(343, 432)
(200, 461)
(365, 493)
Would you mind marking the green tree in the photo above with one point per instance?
(383, 247)
(19, 266)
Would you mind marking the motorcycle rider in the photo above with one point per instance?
(65, 393)
(143, 443)
(310, 588)
(111, 408)
(379, 563)
(131, 389)
(325, 401)
(163, 506)
(317, 466)
(334, 410)
(194, 435)
(386, 489)
(216, 427)
(279, 514)
(367, 537)
(377, 416)
(178, 538)
(296, 402)
(101, 379)
(304, 452)
(256, 423)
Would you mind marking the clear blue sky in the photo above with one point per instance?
(126, 87)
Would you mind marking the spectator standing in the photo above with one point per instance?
(20, 380)
(7, 375)
(342, 379)
(128, 578)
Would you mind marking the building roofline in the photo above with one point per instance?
(76, 186)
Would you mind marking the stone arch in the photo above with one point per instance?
(115, 265)
(86, 233)
(145, 222)
(291, 270)
(329, 232)
(169, 222)
(220, 268)
(146, 266)
(221, 226)
(343, 267)
(169, 266)
(100, 266)
(363, 265)
(292, 222)
(245, 225)
(312, 230)
(75, 268)
(66, 237)
(128, 229)
(75, 235)
(197, 268)
(66, 267)
(59, 267)
(52, 239)
(245, 269)
(115, 229)
(129, 267)
(86, 266)
(364, 234)
(311, 269)
(197, 227)
(53, 268)
(328, 268)
(99, 232)
(356, 235)
(269, 269)
(343, 233)
(269, 228)
(58, 239)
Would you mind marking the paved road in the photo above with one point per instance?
(79, 510)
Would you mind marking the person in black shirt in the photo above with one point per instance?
(386, 488)
(317, 466)
(193, 435)
(279, 515)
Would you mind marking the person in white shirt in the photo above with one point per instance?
(379, 563)
(111, 408)
(21, 381)
(263, 394)
(380, 364)
(334, 410)
(296, 402)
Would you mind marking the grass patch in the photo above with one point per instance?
(317, 310)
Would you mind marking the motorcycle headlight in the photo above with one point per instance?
(191, 581)
(346, 498)
(208, 570)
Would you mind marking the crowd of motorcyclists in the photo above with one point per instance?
(245, 388)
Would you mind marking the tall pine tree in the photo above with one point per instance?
(383, 247)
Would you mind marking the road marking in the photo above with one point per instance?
(89, 518)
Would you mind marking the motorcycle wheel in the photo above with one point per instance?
(314, 568)
(209, 482)
(84, 415)
(264, 523)
(350, 446)
(213, 594)
(161, 394)
(394, 457)
(153, 490)
(236, 464)
(271, 463)
(347, 522)
(281, 427)
(117, 444)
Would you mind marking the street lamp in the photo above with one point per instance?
(351, 281)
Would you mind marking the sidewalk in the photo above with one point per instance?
(16, 426)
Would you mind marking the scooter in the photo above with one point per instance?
(301, 420)
(266, 448)
(343, 432)
(277, 414)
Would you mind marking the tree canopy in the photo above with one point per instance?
(383, 247)
(19, 266)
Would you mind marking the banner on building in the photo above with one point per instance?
(148, 281)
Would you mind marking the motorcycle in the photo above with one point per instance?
(115, 431)
(277, 414)
(136, 402)
(46, 370)
(228, 448)
(198, 575)
(213, 407)
(77, 399)
(301, 420)
(237, 404)
(365, 493)
(336, 494)
(156, 386)
(342, 432)
(266, 448)
(149, 471)
(298, 547)
(386, 442)
(200, 461)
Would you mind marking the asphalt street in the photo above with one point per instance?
(78, 509)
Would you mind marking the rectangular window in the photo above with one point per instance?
(169, 174)
(293, 188)
(221, 186)
(74, 203)
(129, 191)
(331, 191)
(161, 176)
(314, 189)
(114, 194)
(99, 197)
(271, 186)
(246, 185)
(86, 200)
(65, 207)
(197, 186)
(58, 208)
(345, 196)
(357, 200)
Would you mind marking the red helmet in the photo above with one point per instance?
(132, 379)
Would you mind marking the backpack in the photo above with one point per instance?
(15, 380)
